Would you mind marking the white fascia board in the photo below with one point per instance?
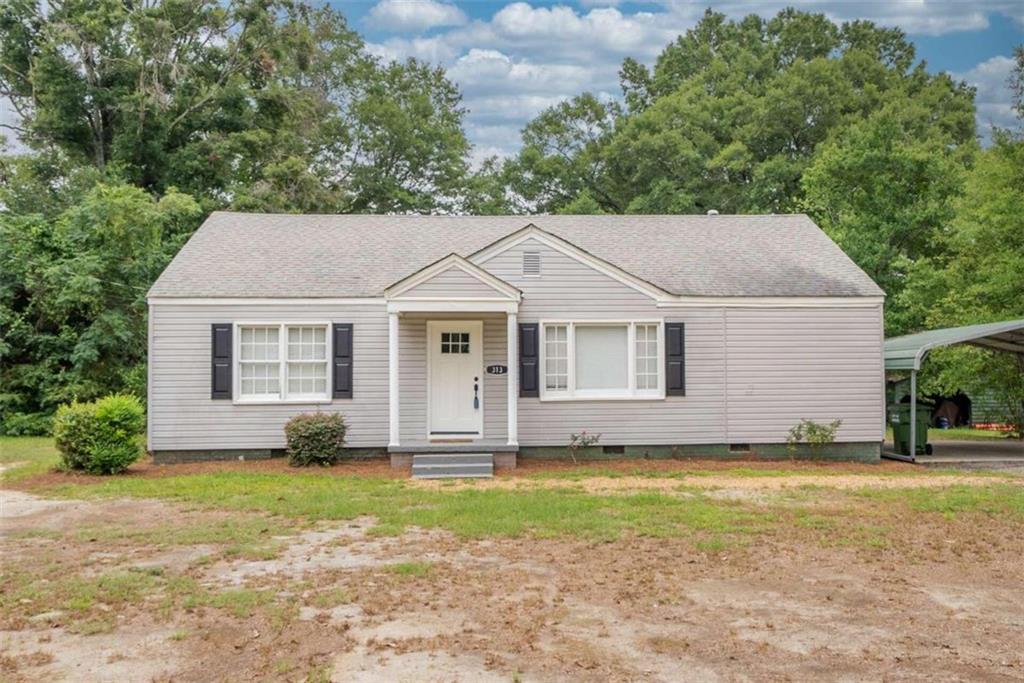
(447, 263)
(771, 302)
(264, 301)
(426, 305)
(572, 251)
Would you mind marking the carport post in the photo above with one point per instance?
(913, 414)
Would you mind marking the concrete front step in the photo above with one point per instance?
(453, 459)
(453, 466)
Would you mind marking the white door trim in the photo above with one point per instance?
(478, 328)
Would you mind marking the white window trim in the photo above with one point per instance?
(573, 394)
(282, 359)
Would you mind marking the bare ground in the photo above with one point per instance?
(942, 599)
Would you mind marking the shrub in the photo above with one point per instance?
(27, 424)
(73, 432)
(581, 441)
(813, 434)
(100, 437)
(315, 439)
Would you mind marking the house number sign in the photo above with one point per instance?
(497, 369)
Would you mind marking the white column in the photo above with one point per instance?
(512, 342)
(393, 422)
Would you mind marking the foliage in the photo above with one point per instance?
(581, 441)
(315, 439)
(271, 105)
(72, 293)
(885, 190)
(100, 437)
(73, 427)
(813, 434)
(978, 279)
(731, 116)
(27, 424)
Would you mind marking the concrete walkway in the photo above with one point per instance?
(1002, 454)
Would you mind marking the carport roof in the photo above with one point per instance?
(907, 352)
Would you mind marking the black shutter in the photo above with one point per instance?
(528, 365)
(675, 359)
(342, 360)
(220, 361)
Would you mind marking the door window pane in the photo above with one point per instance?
(455, 342)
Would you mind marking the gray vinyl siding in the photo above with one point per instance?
(412, 365)
(751, 373)
(568, 289)
(182, 415)
(820, 364)
(453, 282)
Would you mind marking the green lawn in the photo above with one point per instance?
(27, 449)
(30, 455)
(305, 496)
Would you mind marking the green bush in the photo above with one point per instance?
(315, 439)
(27, 424)
(73, 432)
(100, 437)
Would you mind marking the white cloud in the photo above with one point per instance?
(414, 15)
(993, 97)
(525, 58)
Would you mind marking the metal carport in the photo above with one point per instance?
(909, 351)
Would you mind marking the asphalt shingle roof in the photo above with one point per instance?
(287, 255)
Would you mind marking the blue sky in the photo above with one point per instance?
(513, 59)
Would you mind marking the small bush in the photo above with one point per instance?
(315, 439)
(813, 434)
(581, 441)
(73, 432)
(100, 437)
(27, 424)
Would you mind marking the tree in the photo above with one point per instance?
(72, 294)
(978, 279)
(265, 104)
(884, 190)
(563, 155)
(730, 117)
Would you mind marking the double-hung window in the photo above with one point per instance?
(602, 360)
(278, 362)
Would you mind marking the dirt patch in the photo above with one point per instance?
(936, 597)
(136, 652)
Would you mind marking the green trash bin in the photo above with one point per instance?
(899, 418)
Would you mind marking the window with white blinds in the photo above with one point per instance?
(602, 360)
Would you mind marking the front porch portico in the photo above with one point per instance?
(452, 347)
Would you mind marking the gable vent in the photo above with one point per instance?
(531, 263)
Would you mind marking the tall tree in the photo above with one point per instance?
(72, 294)
(731, 116)
(884, 189)
(268, 103)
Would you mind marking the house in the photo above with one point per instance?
(665, 334)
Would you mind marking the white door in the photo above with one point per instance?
(456, 391)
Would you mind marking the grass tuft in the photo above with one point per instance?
(416, 569)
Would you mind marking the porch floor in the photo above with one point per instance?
(480, 446)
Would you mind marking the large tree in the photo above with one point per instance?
(72, 295)
(268, 103)
(730, 117)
